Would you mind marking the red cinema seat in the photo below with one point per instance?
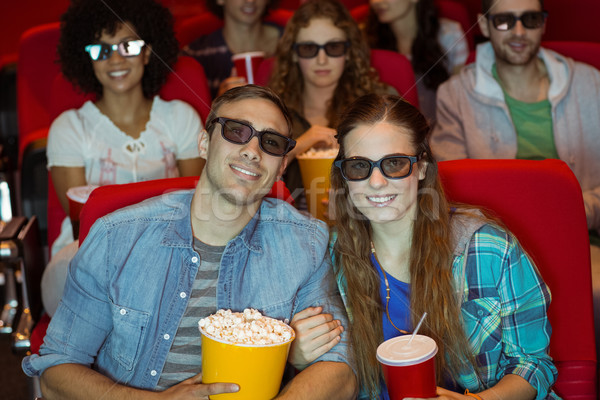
(585, 52)
(541, 203)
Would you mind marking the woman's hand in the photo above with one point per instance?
(319, 136)
(316, 334)
(316, 136)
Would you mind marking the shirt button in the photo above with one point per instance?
(167, 336)
(123, 311)
(182, 295)
(153, 372)
(194, 259)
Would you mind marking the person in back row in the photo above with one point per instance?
(519, 100)
(127, 133)
(220, 246)
(322, 65)
(436, 46)
(243, 31)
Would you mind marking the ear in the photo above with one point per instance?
(203, 142)
(221, 2)
(147, 53)
(423, 165)
(484, 25)
(282, 167)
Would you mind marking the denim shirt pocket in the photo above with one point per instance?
(483, 323)
(125, 340)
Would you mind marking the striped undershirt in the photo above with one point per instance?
(185, 357)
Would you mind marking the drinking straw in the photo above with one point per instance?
(417, 329)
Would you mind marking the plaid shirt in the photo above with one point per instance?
(504, 304)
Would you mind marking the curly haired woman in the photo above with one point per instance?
(322, 65)
(121, 51)
(436, 46)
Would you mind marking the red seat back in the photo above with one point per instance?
(36, 69)
(541, 203)
(572, 20)
(396, 70)
(586, 52)
(106, 199)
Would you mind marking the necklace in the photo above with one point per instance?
(387, 291)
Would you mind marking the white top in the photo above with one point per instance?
(87, 138)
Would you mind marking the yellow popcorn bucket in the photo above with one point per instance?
(257, 369)
(315, 178)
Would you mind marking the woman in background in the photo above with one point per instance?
(322, 65)
(121, 51)
(436, 46)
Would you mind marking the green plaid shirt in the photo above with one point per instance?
(504, 305)
(504, 308)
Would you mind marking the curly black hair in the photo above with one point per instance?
(217, 9)
(83, 24)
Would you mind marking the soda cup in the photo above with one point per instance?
(408, 369)
(246, 64)
(315, 168)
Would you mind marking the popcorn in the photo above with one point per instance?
(248, 327)
(319, 153)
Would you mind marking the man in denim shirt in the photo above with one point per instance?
(130, 287)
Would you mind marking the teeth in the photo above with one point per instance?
(117, 73)
(243, 171)
(248, 9)
(380, 199)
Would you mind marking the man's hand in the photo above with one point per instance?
(316, 334)
(193, 388)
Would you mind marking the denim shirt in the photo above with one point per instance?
(129, 285)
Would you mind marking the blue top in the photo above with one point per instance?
(398, 306)
(128, 286)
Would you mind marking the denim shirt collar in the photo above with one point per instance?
(179, 231)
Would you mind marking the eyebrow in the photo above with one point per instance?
(270, 130)
(127, 39)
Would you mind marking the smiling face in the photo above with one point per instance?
(378, 198)
(241, 174)
(389, 11)
(243, 11)
(321, 71)
(519, 45)
(119, 74)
